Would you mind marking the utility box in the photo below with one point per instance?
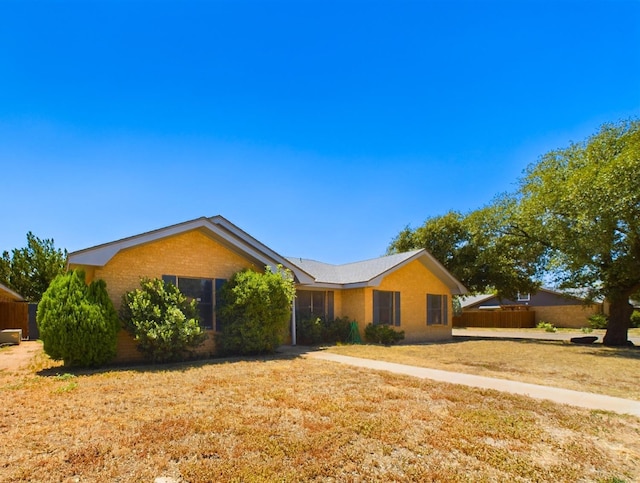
(10, 336)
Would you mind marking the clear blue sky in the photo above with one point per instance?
(322, 128)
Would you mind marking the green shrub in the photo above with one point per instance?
(77, 322)
(598, 321)
(310, 330)
(547, 326)
(635, 319)
(337, 330)
(164, 323)
(383, 334)
(255, 311)
(316, 330)
(586, 330)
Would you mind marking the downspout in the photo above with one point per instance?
(293, 322)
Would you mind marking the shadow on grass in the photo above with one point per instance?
(181, 366)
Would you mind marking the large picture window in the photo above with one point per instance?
(202, 291)
(386, 308)
(437, 309)
(312, 303)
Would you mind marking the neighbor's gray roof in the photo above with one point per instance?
(371, 272)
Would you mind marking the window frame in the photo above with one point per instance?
(216, 285)
(394, 315)
(437, 313)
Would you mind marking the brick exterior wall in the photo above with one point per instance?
(566, 316)
(190, 254)
(413, 281)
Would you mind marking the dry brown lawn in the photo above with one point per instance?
(596, 368)
(294, 419)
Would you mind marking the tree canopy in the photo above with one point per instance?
(30, 270)
(574, 219)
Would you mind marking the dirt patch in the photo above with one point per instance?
(18, 358)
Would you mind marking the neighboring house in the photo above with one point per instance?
(410, 291)
(559, 309)
(14, 311)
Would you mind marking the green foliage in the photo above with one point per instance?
(383, 334)
(586, 330)
(598, 321)
(29, 271)
(474, 250)
(164, 323)
(255, 310)
(77, 322)
(316, 330)
(635, 319)
(547, 326)
(574, 217)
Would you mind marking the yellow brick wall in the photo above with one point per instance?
(413, 281)
(190, 254)
(567, 316)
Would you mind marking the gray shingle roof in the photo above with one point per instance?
(352, 273)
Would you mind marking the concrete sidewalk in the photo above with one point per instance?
(558, 395)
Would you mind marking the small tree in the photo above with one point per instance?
(78, 323)
(163, 321)
(255, 310)
(30, 270)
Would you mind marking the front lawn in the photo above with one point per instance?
(593, 368)
(281, 419)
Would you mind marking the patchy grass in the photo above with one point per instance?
(295, 420)
(595, 368)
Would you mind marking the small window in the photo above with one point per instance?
(524, 297)
(386, 308)
(437, 309)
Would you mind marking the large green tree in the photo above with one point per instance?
(575, 218)
(581, 204)
(30, 270)
(468, 246)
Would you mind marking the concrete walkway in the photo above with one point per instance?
(529, 334)
(558, 395)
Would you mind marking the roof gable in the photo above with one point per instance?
(7, 293)
(217, 228)
(371, 272)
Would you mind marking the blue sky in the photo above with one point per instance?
(321, 128)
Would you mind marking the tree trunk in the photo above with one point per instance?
(620, 312)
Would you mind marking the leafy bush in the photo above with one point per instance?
(598, 321)
(310, 330)
(255, 310)
(338, 330)
(316, 330)
(586, 330)
(635, 319)
(77, 322)
(547, 326)
(383, 334)
(164, 323)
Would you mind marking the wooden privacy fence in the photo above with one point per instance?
(15, 315)
(505, 319)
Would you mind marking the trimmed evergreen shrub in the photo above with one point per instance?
(255, 311)
(383, 334)
(164, 323)
(77, 322)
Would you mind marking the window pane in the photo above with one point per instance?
(434, 309)
(303, 304)
(318, 304)
(200, 290)
(385, 308)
